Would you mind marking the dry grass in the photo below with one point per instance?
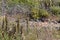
(15, 31)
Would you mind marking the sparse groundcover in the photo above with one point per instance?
(55, 10)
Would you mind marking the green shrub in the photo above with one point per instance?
(39, 13)
(55, 10)
(35, 13)
(43, 13)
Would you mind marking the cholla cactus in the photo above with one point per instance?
(21, 31)
(3, 24)
(17, 26)
(27, 24)
(6, 23)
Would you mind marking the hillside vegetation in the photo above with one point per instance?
(35, 8)
(29, 19)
